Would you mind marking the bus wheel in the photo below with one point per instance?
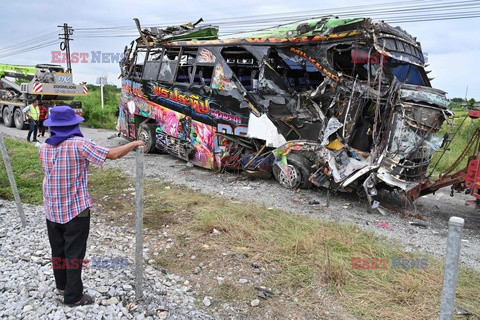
(299, 173)
(146, 133)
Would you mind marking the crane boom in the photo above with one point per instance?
(17, 71)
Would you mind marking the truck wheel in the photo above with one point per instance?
(299, 169)
(18, 119)
(7, 117)
(146, 133)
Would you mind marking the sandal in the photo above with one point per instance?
(85, 300)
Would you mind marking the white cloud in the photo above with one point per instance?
(454, 71)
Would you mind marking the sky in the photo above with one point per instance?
(452, 46)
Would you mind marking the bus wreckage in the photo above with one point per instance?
(344, 104)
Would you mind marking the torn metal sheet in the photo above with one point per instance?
(342, 165)
(263, 128)
(384, 175)
(332, 126)
(424, 94)
(357, 175)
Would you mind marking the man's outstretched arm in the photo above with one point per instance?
(119, 152)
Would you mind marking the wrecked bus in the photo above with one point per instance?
(340, 103)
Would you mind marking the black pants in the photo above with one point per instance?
(69, 244)
(41, 128)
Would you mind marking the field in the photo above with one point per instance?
(295, 256)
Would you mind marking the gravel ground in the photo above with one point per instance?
(25, 250)
(27, 283)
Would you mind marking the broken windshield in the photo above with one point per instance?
(407, 73)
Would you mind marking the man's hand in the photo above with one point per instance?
(119, 152)
(140, 143)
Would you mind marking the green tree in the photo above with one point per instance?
(471, 103)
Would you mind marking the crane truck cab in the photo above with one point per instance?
(20, 85)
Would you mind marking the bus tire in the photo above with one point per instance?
(146, 133)
(299, 168)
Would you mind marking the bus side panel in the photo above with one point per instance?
(127, 109)
(175, 129)
(126, 122)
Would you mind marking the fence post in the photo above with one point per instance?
(11, 177)
(139, 225)
(450, 273)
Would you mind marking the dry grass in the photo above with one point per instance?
(299, 256)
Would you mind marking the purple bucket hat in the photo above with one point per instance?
(62, 116)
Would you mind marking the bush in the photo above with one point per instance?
(94, 115)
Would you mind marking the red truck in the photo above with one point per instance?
(466, 179)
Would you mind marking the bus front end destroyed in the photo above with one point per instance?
(344, 104)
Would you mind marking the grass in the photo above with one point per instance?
(458, 144)
(297, 256)
(26, 170)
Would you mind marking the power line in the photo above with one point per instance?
(28, 42)
(30, 48)
(240, 27)
(361, 10)
(410, 11)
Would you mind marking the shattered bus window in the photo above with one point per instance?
(339, 103)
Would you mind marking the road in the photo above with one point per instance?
(436, 209)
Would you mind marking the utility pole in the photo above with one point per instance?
(101, 91)
(65, 44)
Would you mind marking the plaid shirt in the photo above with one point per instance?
(65, 166)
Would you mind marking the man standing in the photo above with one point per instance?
(65, 158)
(32, 112)
(42, 117)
